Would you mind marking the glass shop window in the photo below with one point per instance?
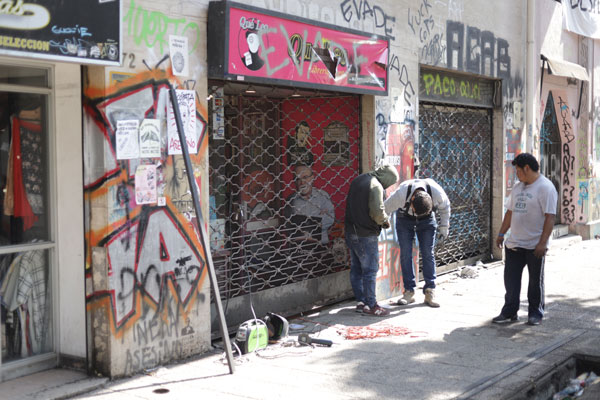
(25, 284)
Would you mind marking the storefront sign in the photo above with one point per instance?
(83, 31)
(255, 45)
(446, 87)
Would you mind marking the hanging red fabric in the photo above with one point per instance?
(22, 207)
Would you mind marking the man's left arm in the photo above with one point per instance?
(442, 203)
(376, 207)
(541, 247)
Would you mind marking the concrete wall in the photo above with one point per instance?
(148, 296)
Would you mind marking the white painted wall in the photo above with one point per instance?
(69, 200)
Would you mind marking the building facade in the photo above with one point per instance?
(42, 285)
(283, 103)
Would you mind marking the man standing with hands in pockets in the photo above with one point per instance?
(530, 216)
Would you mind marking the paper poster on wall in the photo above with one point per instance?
(178, 47)
(127, 139)
(217, 234)
(186, 99)
(336, 145)
(218, 115)
(145, 184)
(150, 138)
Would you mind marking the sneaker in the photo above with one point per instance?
(502, 319)
(360, 306)
(407, 298)
(377, 310)
(534, 321)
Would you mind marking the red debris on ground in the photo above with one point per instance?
(373, 331)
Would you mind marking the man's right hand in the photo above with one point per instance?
(386, 224)
(499, 241)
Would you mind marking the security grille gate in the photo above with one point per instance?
(455, 151)
(550, 149)
(280, 169)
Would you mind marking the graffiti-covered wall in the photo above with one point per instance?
(147, 295)
(147, 292)
(574, 164)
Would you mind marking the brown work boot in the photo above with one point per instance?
(429, 296)
(407, 298)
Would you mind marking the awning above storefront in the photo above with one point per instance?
(565, 68)
(568, 70)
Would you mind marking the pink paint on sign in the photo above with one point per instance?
(266, 46)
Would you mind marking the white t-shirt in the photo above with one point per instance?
(529, 205)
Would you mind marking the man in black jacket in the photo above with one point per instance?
(365, 216)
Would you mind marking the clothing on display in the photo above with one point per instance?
(24, 301)
(25, 316)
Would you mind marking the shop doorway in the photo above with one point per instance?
(550, 149)
(281, 162)
(455, 151)
(26, 239)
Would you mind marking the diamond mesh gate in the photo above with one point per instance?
(455, 151)
(550, 149)
(280, 166)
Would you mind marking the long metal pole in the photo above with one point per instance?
(531, 58)
(203, 235)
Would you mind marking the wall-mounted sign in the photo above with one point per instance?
(447, 87)
(83, 31)
(256, 45)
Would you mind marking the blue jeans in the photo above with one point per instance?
(425, 229)
(516, 259)
(364, 264)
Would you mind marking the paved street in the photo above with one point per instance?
(445, 353)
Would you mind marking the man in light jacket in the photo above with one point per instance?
(416, 201)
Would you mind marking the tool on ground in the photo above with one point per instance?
(304, 338)
(252, 335)
(277, 325)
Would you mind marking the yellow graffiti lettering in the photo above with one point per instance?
(449, 86)
(437, 88)
(428, 79)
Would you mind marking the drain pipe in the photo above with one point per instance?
(531, 146)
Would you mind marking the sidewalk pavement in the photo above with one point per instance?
(452, 352)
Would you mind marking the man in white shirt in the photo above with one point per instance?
(530, 216)
(310, 202)
(416, 200)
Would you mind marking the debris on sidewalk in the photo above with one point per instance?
(373, 331)
(468, 272)
(472, 271)
(368, 331)
(577, 386)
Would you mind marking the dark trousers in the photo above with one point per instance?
(516, 259)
